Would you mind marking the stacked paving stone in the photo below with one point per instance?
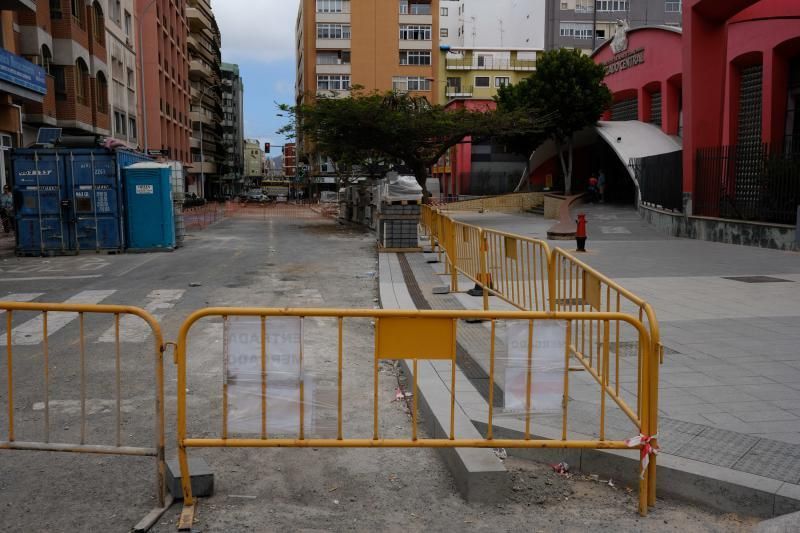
(397, 228)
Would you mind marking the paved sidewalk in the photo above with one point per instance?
(730, 316)
(730, 385)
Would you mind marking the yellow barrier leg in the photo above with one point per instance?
(189, 505)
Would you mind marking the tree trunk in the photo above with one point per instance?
(421, 173)
(564, 169)
(571, 160)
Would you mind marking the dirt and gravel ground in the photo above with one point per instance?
(277, 263)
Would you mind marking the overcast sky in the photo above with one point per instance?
(258, 35)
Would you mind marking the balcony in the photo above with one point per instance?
(459, 92)
(201, 69)
(490, 63)
(196, 116)
(208, 167)
(198, 47)
(198, 19)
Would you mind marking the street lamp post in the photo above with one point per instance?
(140, 51)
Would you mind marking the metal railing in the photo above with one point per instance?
(757, 182)
(660, 180)
(490, 63)
(268, 344)
(87, 369)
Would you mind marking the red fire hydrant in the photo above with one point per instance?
(580, 233)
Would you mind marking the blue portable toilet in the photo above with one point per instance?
(149, 213)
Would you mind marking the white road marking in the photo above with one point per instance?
(47, 278)
(30, 333)
(133, 328)
(21, 297)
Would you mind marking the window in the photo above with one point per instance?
(131, 79)
(583, 6)
(502, 81)
(102, 93)
(611, 5)
(672, 6)
(119, 124)
(77, 12)
(98, 24)
(415, 57)
(47, 58)
(415, 32)
(116, 11)
(412, 7)
(482, 81)
(443, 32)
(55, 9)
(81, 81)
(411, 83)
(333, 31)
(576, 30)
(333, 6)
(333, 82)
(444, 11)
(60, 79)
(484, 60)
(332, 58)
(128, 24)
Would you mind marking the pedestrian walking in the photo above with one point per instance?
(7, 210)
(601, 185)
(593, 190)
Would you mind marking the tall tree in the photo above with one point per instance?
(392, 126)
(567, 84)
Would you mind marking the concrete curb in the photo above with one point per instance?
(715, 487)
(479, 475)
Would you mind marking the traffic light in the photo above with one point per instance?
(266, 147)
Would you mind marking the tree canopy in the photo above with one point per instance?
(567, 84)
(398, 127)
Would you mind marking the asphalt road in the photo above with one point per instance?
(271, 262)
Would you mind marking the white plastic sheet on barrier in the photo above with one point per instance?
(284, 367)
(547, 362)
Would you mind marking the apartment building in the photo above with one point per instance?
(205, 81)
(572, 22)
(121, 44)
(67, 38)
(342, 43)
(495, 24)
(380, 45)
(253, 163)
(233, 124)
(290, 160)
(164, 71)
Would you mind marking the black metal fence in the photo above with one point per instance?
(660, 180)
(756, 182)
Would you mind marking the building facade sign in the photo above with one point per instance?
(21, 72)
(624, 61)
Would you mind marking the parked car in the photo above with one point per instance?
(281, 199)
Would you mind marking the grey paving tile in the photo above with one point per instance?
(717, 447)
(745, 380)
(771, 392)
(790, 437)
(775, 415)
(722, 394)
(727, 422)
(690, 379)
(772, 459)
(744, 407)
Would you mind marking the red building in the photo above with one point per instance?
(704, 129)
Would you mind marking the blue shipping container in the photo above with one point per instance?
(148, 207)
(69, 200)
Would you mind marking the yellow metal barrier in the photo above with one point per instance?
(46, 444)
(415, 336)
(577, 287)
(520, 201)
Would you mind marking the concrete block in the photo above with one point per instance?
(478, 474)
(202, 478)
(787, 500)
(789, 523)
